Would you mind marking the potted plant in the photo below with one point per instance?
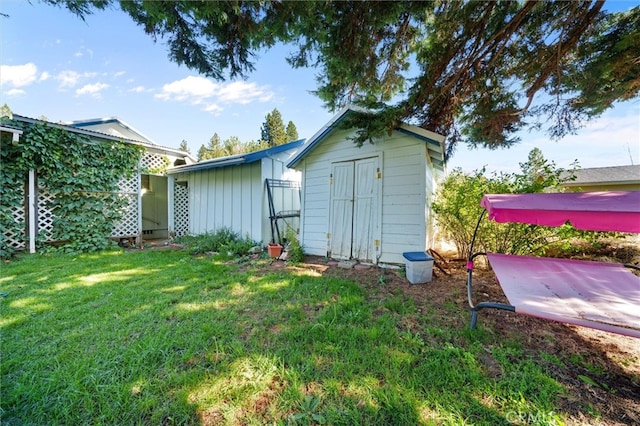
(274, 249)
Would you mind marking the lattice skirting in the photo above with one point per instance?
(181, 208)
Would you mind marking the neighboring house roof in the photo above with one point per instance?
(113, 131)
(103, 136)
(435, 142)
(235, 160)
(614, 175)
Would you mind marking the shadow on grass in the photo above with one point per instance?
(167, 338)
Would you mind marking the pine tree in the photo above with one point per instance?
(183, 146)
(292, 132)
(272, 130)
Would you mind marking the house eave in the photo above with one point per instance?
(103, 136)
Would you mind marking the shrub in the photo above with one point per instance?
(457, 207)
(221, 240)
(296, 253)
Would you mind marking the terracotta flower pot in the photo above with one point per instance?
(275, 250)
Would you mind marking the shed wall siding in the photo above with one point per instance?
(283, 199)
(226, 197)
(404, 193)
(235, 197)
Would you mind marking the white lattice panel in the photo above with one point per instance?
(45, 215)
(181, 208)
(129, 185)
(17, 239)
(127, 226)
(153, 163)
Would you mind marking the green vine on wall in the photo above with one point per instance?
(81, 174)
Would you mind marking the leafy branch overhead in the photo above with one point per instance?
(473, 71)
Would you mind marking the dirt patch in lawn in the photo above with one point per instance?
(599, 371)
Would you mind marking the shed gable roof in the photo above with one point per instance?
(434, 141)
(238, 159)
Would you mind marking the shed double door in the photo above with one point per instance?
(354, 212)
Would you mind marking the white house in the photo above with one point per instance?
(231, 192)
(370, 203)
(146, 192)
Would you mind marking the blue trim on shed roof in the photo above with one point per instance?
(235, 160)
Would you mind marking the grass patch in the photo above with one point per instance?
(165, 337)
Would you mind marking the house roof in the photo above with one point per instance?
(235, 160)
(434, 141)
(11, 129)
(112, 131)
(606, 176)
(103, 136)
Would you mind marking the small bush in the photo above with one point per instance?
(457, 207)
(222, 240)
(296, 253)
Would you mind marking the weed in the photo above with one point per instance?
(295, 250)
(308, 407)
(223, 240)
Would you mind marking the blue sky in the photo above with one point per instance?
(57, 66)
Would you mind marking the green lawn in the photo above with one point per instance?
(164, 337)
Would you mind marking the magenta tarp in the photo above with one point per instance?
(596, 211)
(604, 296)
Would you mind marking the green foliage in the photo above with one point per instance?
(308, 407)
(273, 130)
(467, 70)
(294, 249)
(82, 175)
(184, 146)
(457, 207)
(224, 240)
(214, 149)
(291, 132)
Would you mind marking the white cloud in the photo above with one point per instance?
(214, 109)
(18, 75)
(189, 88)
(15, 92)
(138, 89)
(92, 89)
(243, 93)
(70, 78)
(80, 53)
(199, 90)
(119, 73)
(44, 76)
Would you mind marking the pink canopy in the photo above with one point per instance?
(604, 296)
(596, 211)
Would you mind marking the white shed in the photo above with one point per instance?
(231, 192)
(371, 203)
